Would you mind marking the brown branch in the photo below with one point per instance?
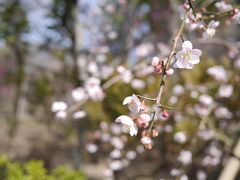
(169, 60)
(191, 6)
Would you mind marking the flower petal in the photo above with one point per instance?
(145, 118)
(125, 120)
(136, 100)
(181, 63)
(127, 100)
(180, 54)
(197, 52)
(187, 45)
(134, 108)
(133, 130)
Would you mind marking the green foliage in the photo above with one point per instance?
(64, 173)
(35, 170)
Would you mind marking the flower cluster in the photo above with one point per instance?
(139, 119)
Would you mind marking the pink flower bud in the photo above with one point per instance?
(148, 146)
(158, 69)
(186, 6)
(169, 71)
(144, 133)
(165, 114)
(146, 140)
(154, 133)
(155, 61)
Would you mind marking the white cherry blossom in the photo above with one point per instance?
(59, 106)
(134, 104)
(218, 73)
(222, 6)
(187, 57)
(79, 114)
(236, 17)
(128, 124)
(211, 29)
(225, 91)
(185, 157)
(146, 140)
(79, 94)
(180, 137)
(61, 115)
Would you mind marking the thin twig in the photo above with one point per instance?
(182, 38)
(165, 107)
(191, 6)
(162, 82)
(146, 98)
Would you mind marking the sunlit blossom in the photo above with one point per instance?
(180, 137)
(236, 17)
(211, 29)
(185, 157)
(128, 124)
(133, 102)
(187, 57)
(225, 91)
(79, 94)
(59, 106)
(222, 6)
(218, 72)
(146, 140)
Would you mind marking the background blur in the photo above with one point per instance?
(48, 48)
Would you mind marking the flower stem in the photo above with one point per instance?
(146, 98)
(163, 78)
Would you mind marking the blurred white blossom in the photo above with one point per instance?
(211, 29)
(59, 106)
(185, 157)
(79, 114)
(91, 148)
(79, 94)
(137, 84)
(218, 73)
(180, 137)
(222, 6)
(223, 112)
(225, 91)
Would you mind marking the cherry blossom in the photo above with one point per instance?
(133, 102)
(223, 112)
(79, 114)
(146, 140)
(222, 6)
(137, 84)
(236, 17)
(93, 89)
(79, 94)
(61, 115)
(180, 137)
(128, 124)
(157, 64)
(59, 106)
(206, 99)
(143, 120)
(211, 29)
(187, 57)
(225, 91)
(185, 157)
(169, 71)
(218, 72)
